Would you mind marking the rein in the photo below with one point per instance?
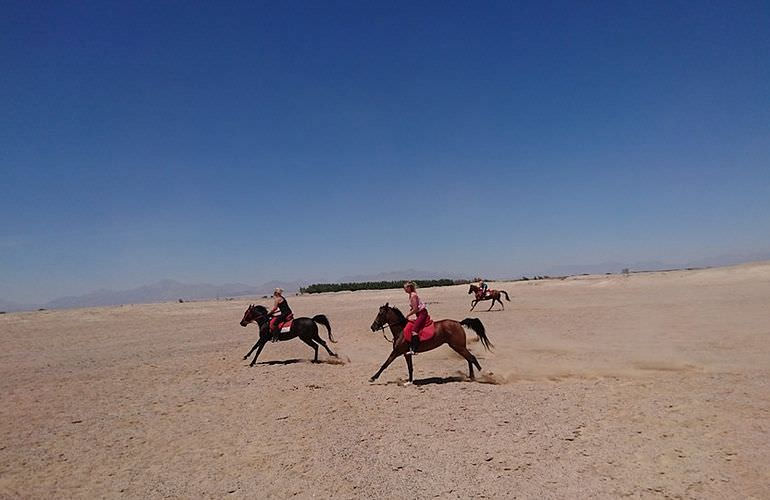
(389, 325)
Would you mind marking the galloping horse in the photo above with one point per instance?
(491, 294)
(447, 331)
(304, 328)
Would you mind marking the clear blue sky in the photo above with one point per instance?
(253, 141)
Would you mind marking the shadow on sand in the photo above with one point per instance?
(481, 378)
(329, 361)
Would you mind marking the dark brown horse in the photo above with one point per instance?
(448, 331)
(494, 295)
(304, 328)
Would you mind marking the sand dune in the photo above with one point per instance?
(652, 384)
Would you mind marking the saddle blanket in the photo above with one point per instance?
(285, 326)
(426, 333)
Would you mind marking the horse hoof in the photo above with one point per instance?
(371, 380)
(245, 358)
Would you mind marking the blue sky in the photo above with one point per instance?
(253, 141)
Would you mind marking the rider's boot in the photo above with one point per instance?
(413, 344)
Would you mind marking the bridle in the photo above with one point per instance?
(256, 316)
(389, 325)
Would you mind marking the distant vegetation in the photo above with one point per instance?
(375, 285)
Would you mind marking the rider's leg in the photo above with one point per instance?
(275, 327)
(419, 324)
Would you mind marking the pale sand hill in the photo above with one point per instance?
(649, 385)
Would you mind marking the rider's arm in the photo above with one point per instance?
(413, 303)
(275, 305)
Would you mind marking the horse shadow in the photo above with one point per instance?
(442, 380)
(481, 378)
(431, 380)
(329, 361)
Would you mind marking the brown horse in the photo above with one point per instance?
(491, 294)
(448, 331)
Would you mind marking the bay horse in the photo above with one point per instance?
(448, 331)
(491, 294)
(304, 328)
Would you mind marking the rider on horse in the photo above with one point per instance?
(284, 313)
(483, 288)
(417, 308)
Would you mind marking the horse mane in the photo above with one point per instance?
(260, 309)
(399, 314)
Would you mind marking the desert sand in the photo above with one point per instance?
(648, 385)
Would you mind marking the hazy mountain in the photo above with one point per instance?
(408, 274)
(655, 265)
(606, 267)
(167, 290)
(8, 306)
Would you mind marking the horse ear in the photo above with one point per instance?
(386, 304)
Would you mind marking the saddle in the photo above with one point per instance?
(426, 333)
(285, 325)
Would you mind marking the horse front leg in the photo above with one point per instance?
(261, 344)
(252, 349)
(410, 368)
(393, 355)
(473, 304)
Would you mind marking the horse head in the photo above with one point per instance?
(254, 313)
(381, 320)
(388, 316)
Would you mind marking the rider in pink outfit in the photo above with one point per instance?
(417, 308)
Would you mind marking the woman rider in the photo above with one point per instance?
(284, 313)
(483, 287)
(417, 308)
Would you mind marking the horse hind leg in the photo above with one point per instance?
(470, 358)
(313, 345)
(317, 338)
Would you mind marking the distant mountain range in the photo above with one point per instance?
(167, 290)
(654, 265)
(162, 291)
(407, 274)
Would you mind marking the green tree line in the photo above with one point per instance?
(375, 285)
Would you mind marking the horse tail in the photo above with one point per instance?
(322, 320)
(475, 325)
(506, 295)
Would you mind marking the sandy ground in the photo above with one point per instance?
(651, 385)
